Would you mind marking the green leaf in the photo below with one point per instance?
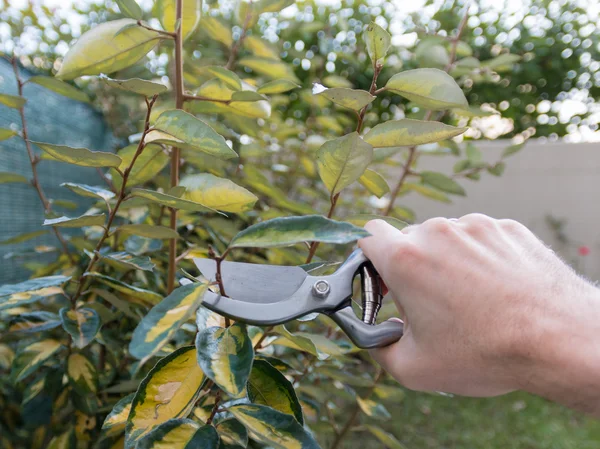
(387, 439)
(107, 48)
(286, 231)
(475, 111)
(271, 427)
(169, 390)
(6, 133)
(372, 408)
(82, 374)
(362, 219)
(513, 149)
(227, 76)
(136, 292)
(502, 63)
(130, 8)
(432, 56)
(354, 99)
(148, 164)
(277, 87)
(6, 356)
(141, 245)
(32, 285)
(31, 322)
(82, 324)
(378, 42)
(195, 134)
(6, 177)
(32, 356)
(473, 154)
(387, 392)
(149, 231)
(20, 238)
(442, 182)
(429, 88)
(191, 14)
(270, 68)
(80, 156)
(122, 306)
(408, 132)
(217, 193)
(260, 47)
(427, 192)
(12, 101)
(164, 320)
(225, 356)
(267, 386)
(136, 85)
(342, 161)
(60, 87)
(115, 422)
(65, 440)
(233, 432)
(297, 342)
(180, 434)
(89, 191)
(374, 183)
(217, 30)
(128, 261)
(247, 95)
(76, 222)
(497, 169)
(171, 201)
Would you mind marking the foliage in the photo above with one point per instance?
(102, 346)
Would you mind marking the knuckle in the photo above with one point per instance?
(406, 251)
(439, 226)
(511, 225)
(478, 223)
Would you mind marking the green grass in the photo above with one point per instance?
(515, 421)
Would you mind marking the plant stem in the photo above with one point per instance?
(236, 46)
(355, 411)
(34, 160)
(175, 158)
(120, 198)
(314, 245)
(412, 155)
(107, 180)
(214, 409)
(263, 337)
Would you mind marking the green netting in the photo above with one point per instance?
(50, 118)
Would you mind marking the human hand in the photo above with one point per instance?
(486, 306)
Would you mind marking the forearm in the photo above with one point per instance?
(564, 357)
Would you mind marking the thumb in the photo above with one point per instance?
(398, 360)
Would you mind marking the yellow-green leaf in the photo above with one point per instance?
(409, 132)
(130, 8)
(429, 88)
(127, 261)
(149, 231)
(342, 161)
(12, 101)
(7, 133)
(6, 356)
(6, 178)
(170, 201)
(285, 231)
(60, 87)
(271, 68)
(227, 76)
(233, 432)
(107, 48)
(20, 238)
(148, 164)
(180, 434)
(374, 183)
(65, 440)
(513, 149)
(30, 357)
(89, 191)
(442, 182)
(273, 428)
(387, 439)
(115, 422)
(195, 134)
(247, 95)
(170, 390)
(502, 63)
(164, 319)
(80, 156)
(267, 386)
(76, 222)
(378, 42)
(362, 219)
(82, 324)
(225, 356)
(297, 342)
(31, 322)
(259, 47)
(217, 30)
(277, 87)
(354, 99)
(372, 408)
(130, 290)
(191, 14)
(82, 374)
(217, 193)
(136, 85)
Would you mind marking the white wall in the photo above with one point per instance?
(558, 179)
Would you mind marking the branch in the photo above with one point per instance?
(34, 160)
(107, 180)
(140, 148)
(236, 46)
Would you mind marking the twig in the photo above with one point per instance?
(166, 33)
(175, 158)
(82, 279)
(214, 409)
(456, 39)
(107, 180)
(34, 160)
(236, 46)
(259, 343)
(315, 245)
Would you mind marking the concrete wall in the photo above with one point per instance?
(557, 179)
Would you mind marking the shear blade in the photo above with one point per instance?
(255, 283)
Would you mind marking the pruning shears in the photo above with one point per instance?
(267, 295)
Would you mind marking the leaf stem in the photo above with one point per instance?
(140, 148)
(34, 160)
(175, 157)
(166, 33)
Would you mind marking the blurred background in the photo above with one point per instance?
(546, 87)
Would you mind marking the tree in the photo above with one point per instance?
(107, 347)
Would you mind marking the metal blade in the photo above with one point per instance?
(255, 283)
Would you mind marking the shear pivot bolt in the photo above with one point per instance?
(321, 289)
